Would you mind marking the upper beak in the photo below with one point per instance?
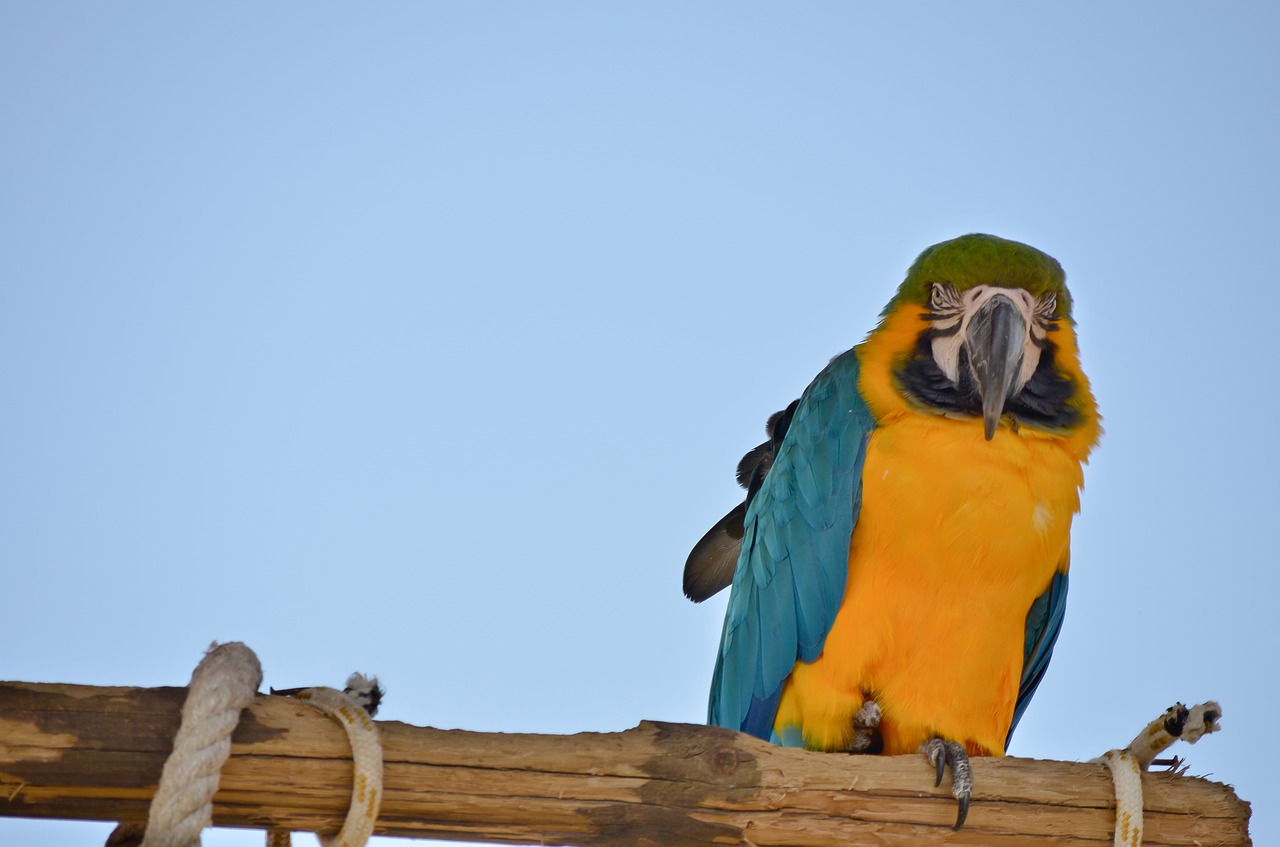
(994, 342)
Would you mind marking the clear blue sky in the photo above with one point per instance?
(450, 321)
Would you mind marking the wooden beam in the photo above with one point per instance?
(89, 753)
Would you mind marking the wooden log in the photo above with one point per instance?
(90, 753)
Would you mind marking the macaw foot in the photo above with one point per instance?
(942, 753)
(866, 729)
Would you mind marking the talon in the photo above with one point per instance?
(935, 752)
(942, 753)
(868, 717)
(964, 812)
(961, 779)
(866, 729)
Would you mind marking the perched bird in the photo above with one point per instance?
(899, 567)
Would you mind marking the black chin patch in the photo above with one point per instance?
(1044, 402)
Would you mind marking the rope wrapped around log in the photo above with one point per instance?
(92, 753)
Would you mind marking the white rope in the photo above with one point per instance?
(1177, 723)
(1126, 773)
(366, 756)
(223, 684)
(1127, 765)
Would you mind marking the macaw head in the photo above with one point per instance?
(980, 324)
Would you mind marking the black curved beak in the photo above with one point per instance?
(994, 343)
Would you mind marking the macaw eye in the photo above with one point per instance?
(1046, 312)
(944, 302)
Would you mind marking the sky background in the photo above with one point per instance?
(450, 322)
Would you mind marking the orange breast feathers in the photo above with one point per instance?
(956, 538)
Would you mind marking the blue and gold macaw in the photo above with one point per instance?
(899, 567)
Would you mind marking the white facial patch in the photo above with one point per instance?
(953, 310)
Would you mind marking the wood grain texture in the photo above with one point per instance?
(92, 753)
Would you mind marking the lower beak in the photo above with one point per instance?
(994, 343)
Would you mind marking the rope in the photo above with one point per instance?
(366, 755)
(352, 707)
(223, 684)
(1126, 773)
(1127, 765)
(1177, 722)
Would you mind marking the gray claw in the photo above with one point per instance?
(964, 810)
(942, 753)
(866, 726)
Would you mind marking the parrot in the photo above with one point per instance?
(899, 566)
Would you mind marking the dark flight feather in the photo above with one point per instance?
(710, 566)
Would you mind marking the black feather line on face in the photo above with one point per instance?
(1044, 402)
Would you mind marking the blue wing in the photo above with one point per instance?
(791, 571)
(1044, 621)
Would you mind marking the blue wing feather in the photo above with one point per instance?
(1044, 621)
(791, 571)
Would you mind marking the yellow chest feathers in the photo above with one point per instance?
(937, 492)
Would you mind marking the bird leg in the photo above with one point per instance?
(866, 729)
(942, 753)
